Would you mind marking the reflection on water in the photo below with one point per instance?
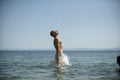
(59, 73)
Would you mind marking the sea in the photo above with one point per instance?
(40, 65)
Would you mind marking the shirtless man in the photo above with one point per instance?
(58, 46)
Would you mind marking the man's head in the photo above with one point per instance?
(54, 33)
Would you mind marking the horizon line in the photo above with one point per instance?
(110, 49)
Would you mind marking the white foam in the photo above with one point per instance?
(65, 59)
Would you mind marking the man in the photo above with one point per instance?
(58, 46)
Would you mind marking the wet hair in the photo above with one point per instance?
(52, 34)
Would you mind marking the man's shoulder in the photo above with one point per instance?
(57, 40)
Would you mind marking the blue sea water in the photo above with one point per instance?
(40, 65)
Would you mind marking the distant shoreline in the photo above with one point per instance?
(64, 50)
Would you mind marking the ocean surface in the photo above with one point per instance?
(40, 65)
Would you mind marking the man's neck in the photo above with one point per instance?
(57, 37)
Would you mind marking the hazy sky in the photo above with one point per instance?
(26, 24)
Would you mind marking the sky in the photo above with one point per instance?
(26, 24)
